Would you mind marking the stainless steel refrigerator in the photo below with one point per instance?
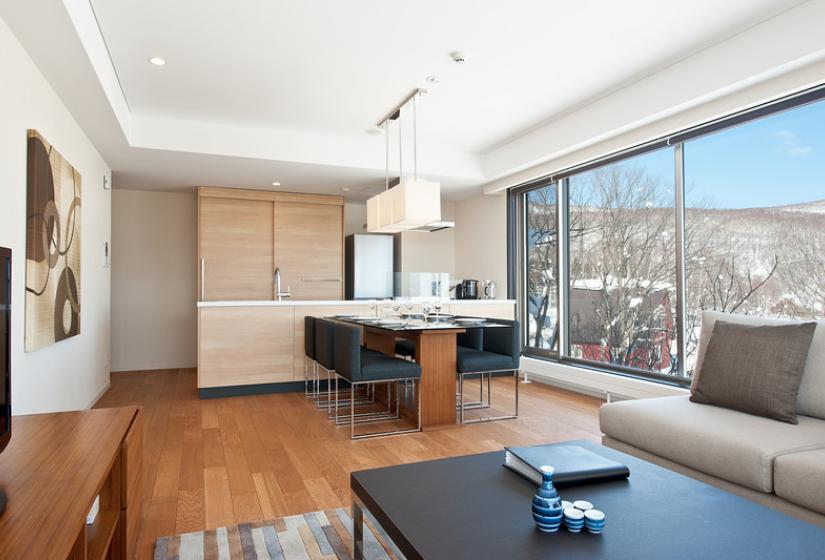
(368, 266)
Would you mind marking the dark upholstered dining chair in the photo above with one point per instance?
(492, 351)
(362, 367)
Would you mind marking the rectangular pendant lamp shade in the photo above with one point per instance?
(410, 204)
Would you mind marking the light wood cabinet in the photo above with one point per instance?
(245, 345)
(308, 249)
(244, 235)
(236, 249)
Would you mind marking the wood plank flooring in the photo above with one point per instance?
(216, 462)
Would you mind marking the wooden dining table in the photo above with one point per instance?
(435, 351)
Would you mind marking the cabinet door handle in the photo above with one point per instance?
(320, 279)
(203, 279)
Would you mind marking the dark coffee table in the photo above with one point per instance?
(472, 507)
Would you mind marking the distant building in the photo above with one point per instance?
(654, 332)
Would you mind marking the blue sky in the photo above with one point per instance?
(774, 161)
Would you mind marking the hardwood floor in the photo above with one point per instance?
(215, 462)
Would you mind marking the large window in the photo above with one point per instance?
(755, 220)
(727, 217)
(542, 282)
(622, 277)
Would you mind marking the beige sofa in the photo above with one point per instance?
(774, 463)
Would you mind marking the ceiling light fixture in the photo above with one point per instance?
(157, 61)
(413, 202)
(432, 79)
(458, 57)
(276, 184)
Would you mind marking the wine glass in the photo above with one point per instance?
(437, 308)
(373, 308)
(409, 306)
(426, 309)
(396, 307)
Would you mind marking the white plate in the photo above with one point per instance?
(469, 320)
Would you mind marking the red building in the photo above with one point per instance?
(598, 328)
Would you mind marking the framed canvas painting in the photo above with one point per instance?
(52, 245)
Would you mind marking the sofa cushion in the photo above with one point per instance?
(754, 368)
(800, 478)
(811, 398)
(720, 442)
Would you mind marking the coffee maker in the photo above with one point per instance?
(468, 289)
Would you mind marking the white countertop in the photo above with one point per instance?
(308, 303)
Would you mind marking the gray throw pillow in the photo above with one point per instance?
(754, 369)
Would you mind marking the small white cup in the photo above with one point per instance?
(583, 505)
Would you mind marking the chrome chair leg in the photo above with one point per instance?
(462, 407)
(384, 416)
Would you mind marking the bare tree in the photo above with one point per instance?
(623, 247)
(542, 265)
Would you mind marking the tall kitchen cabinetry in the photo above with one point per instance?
(244, 235)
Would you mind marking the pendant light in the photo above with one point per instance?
(412, 203)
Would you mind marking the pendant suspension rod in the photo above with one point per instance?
(387, 155)
(400, 150)
(415, 139)
(393, 114)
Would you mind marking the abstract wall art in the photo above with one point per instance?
(52, 246)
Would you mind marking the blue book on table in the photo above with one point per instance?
(571, 464)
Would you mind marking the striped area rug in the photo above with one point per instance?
(316, 535)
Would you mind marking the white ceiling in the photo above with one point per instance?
(242, 78)
(333, 65)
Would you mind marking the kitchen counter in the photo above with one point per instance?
(302, 303)
(249, 347)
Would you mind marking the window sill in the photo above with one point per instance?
(596, 383)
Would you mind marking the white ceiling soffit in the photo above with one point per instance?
(771, 59)
(256, 91)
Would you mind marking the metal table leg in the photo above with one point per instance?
(357, 531)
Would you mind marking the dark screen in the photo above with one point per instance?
(5, 312)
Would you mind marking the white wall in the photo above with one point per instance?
(154, 280)
(74, 372)
(481, 240)
(476, 248)
(429, 251)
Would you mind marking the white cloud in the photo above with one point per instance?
(797, 151)
(790, 143)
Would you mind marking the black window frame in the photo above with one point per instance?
(516, 206)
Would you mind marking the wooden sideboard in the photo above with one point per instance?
(52, 471)
(243, 235)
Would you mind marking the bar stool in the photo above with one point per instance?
(360, 366)
(325, 361)
(472, 339)
(500, 353)
(309, 359)
(325, 358)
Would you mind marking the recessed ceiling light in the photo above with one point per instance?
(345, 189)
(432, 79)
(276, 184)
(157, 61)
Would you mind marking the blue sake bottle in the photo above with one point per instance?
(547, 510)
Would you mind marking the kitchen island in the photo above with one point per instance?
(249, 347)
